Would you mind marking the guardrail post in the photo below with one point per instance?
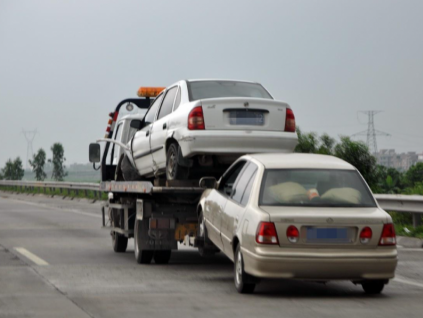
(417, 219)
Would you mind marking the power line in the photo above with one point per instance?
(371, 132)
(29, 136)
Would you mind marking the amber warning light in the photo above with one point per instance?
(150, 91)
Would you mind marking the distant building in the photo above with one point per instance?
(402, 162)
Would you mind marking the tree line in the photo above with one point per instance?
(380, 178)
(14, 170)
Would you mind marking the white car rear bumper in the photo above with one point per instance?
(221, 142)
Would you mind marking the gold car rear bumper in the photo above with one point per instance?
(341, 267)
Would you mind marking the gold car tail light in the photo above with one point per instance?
(266, 233)
(388, 236)
(365, 235)
(292, 234)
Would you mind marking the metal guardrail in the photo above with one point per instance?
(62, 186)
(403, 203)
(389, 202)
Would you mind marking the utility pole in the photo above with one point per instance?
(29, 136)
(371, 132)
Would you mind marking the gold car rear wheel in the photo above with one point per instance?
(373, 287)
(243, 281)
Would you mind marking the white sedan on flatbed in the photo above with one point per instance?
(205, 125)
(298, 216)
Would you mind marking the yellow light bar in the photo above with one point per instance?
(150, 91)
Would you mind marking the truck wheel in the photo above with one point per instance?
(174, 171)
(204, 251)
(141, 256)
(241, 278)
(120, 242)
(373, 287)
(162, 257)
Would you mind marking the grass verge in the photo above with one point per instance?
(86, 194)
(404, 225)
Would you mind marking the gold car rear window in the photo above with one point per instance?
(315, 187)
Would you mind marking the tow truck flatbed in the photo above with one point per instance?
(145, 187)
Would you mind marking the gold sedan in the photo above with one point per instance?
(298, 216)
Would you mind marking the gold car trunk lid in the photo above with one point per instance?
(326, 227)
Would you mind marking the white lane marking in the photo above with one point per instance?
(407, 282)
(59, 208)
(411, 249)
(34, 258)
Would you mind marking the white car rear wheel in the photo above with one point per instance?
(174, 171)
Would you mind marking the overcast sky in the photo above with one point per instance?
(64, 65)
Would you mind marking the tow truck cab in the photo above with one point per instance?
(121, 130)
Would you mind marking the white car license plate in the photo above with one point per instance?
(244, 117)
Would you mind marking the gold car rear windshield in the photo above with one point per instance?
(314, 188)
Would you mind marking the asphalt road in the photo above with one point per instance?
(55, 261)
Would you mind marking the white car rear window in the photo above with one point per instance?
(215, 89)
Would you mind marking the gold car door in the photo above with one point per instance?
(236, 206)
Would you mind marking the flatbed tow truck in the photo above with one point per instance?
(157, 214)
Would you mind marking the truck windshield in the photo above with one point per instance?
(314, 188)
(215, 89)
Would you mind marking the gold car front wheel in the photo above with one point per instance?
(244, 283)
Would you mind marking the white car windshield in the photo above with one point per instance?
(215, 89)
(314, 188)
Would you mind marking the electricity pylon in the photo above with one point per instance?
(371, 132)
(29, 136)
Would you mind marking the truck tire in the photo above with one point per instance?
(174, 171)
(205, 250)
(162, 257)
(141, 256)
(120, 242)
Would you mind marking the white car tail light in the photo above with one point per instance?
(365, 235)
(196, 119)
(388, 235)
(292, 234)
(289, 120)
(266, 233)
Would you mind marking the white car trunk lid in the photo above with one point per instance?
(244, 114)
